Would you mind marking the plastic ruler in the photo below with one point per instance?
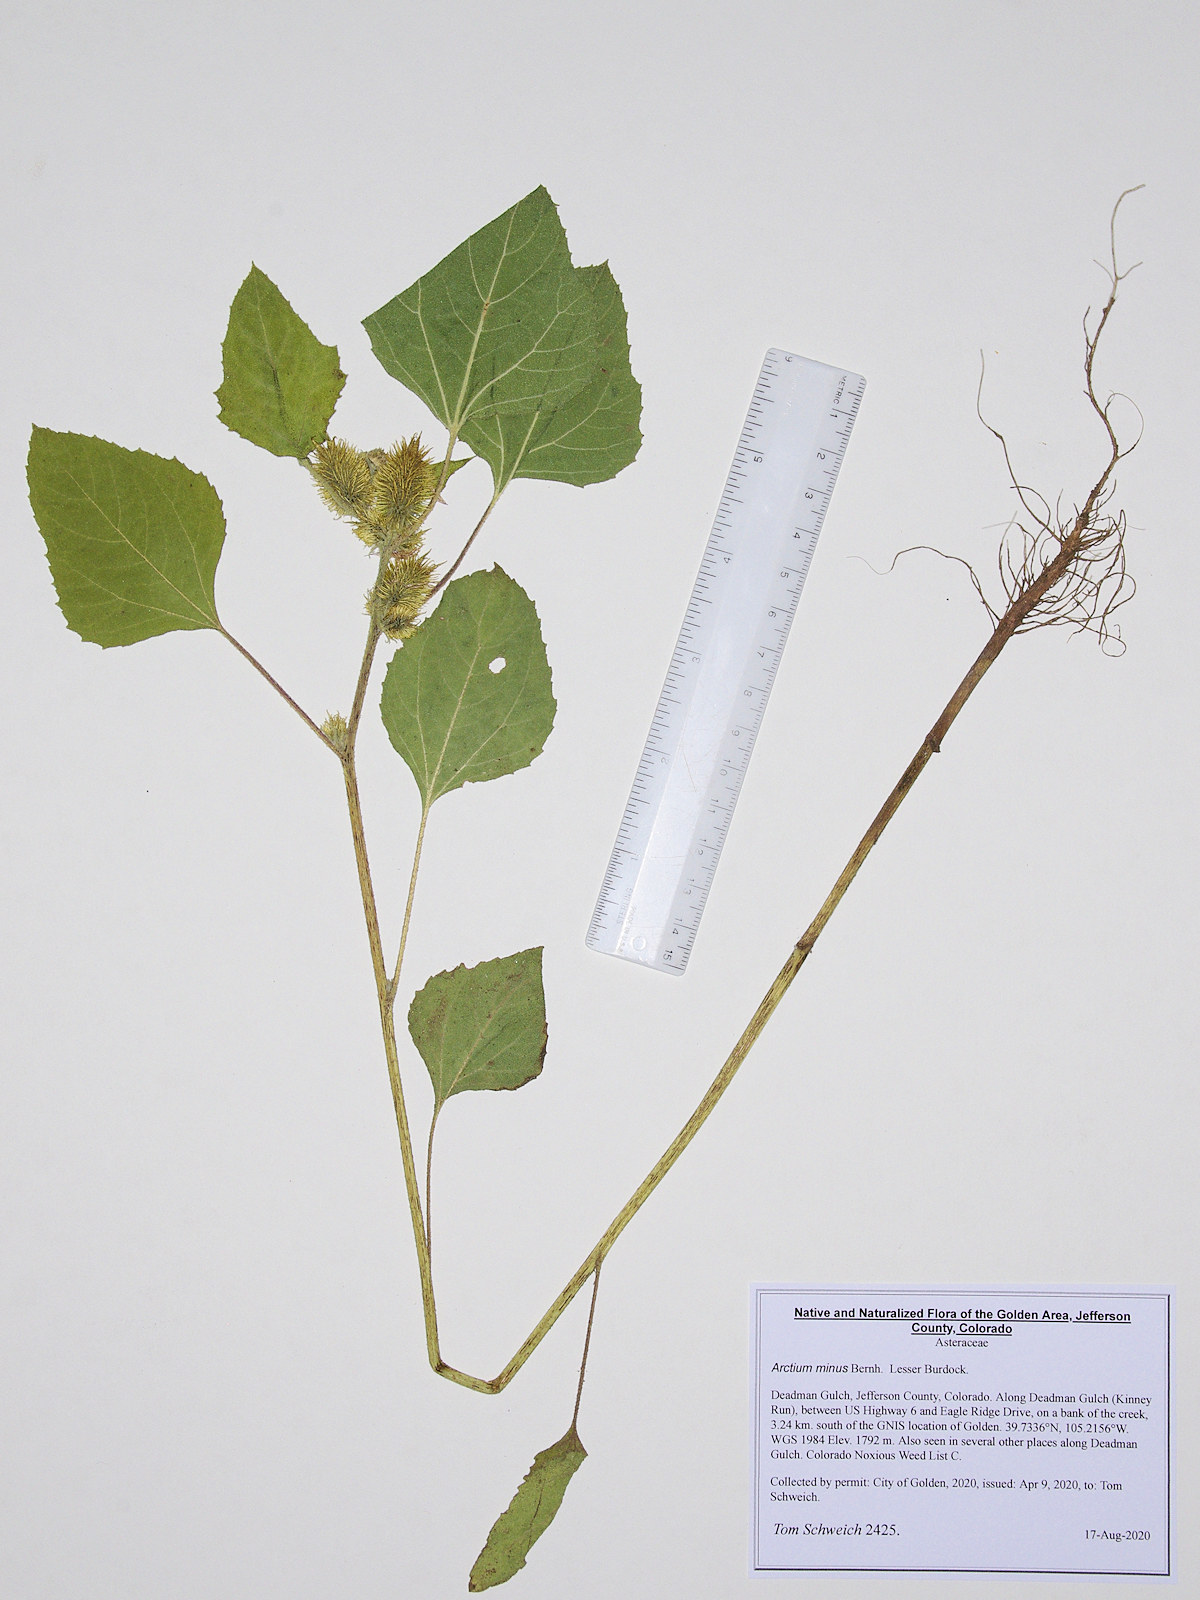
(724, 664)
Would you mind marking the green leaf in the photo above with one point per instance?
(281, 383)
(502, 324)
(468, 697)
(133, 539)
(529, 1514)
(454, 466)
(482, 1027)
(591, 435)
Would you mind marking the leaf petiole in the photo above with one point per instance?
(279, 689)
(394, 981)
(437, 1106)
(458, 560)
(587, 1342)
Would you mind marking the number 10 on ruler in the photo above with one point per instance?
(725, 660)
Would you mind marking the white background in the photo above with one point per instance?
(213, 1368)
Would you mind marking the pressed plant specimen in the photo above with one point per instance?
(522, 358)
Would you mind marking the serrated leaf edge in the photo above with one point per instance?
(440, 1096)
(197, 616)
(570, 1444)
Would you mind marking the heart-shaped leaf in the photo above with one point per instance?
(482, 1027)
(468, 697)
(589, 436)
(133, 539)
(502, 324)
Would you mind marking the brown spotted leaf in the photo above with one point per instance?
(529, 1514)
(482, 1027)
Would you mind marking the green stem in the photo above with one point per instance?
(385, 988)
(360, 688)
(1051, 574)
(444, 473)
(458, 560)
(279, 689)
(587, 1341)
(412, 889)
(429, 1182)
(387, 1023)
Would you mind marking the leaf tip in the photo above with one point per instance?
(280, 384)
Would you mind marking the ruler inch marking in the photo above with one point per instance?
(726, 658)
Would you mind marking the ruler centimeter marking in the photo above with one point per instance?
(721, 673)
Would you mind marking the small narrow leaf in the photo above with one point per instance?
(502, 324)
(133, 539)
(454, 466)
(468, 697)
(281, 383)
(529, 1514)
(592, 434)
(482, 1027)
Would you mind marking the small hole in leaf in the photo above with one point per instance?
(498, 665)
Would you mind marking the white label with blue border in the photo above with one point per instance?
(999, 1432)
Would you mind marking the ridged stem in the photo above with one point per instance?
(1052, 574)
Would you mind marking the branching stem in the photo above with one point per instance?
(388, 1025)
(1044, 588)
(385, 988)
(1052, 574)
(386, 985)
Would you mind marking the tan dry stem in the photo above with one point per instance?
(930, 745)
(1073, 574)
